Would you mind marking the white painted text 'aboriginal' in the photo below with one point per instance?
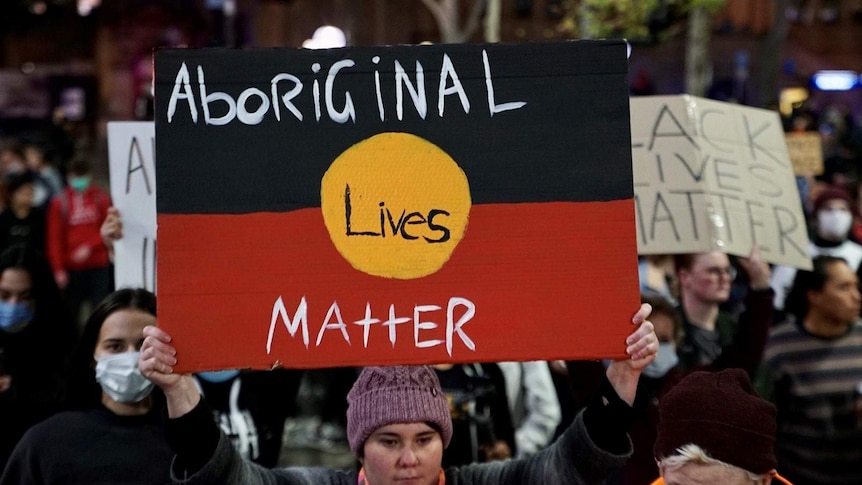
(335, 100)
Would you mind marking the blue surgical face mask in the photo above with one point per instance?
(663, 362)
(14, 317)
(219, 375)
(79, 184)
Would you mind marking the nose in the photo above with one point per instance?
(408, 457)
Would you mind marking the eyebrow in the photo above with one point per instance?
(113, 341)
(392, 434)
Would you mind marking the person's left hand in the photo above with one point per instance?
(642, 347)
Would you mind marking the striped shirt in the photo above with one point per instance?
(816, 389)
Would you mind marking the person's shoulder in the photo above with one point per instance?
(783, 338)
(61, 423)
(787, 326)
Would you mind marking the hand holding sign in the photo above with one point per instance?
(757, 269)
(642, 347)
(112, 227)
(156, 363)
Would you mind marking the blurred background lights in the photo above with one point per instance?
(87, 6)
(834, 80)
(326, 37)
(38, 8)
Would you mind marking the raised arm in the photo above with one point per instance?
(642, 347)
(111, 230)
(158, 357)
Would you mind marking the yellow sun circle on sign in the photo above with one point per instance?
(395, 205)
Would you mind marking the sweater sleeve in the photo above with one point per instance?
(205, 456)
(54, 235)
(752, 331)
(193, 437)
(578, 457)
(607, 418)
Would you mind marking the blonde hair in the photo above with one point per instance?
(691, 453)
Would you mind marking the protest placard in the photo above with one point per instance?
(402, 204)
(714, 176)
(806, 153)
(131, 159)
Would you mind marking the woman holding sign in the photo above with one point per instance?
(398, 424)
(114, 435)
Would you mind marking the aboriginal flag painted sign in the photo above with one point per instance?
(406, 204)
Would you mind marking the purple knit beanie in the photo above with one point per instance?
(400, 394)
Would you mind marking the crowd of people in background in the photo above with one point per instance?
(72, 410)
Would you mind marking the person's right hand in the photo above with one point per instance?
(156, 363)
(112, 227)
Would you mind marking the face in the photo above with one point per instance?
(403, 454)
(663, 328)
(23, 196)
(11, 162)
(122, 331)
(709, 277)
(834, 220)
(15, 286)
(839, 300)
(835, 205)
(706, 474)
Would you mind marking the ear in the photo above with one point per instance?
(683, 276)
(813, 297)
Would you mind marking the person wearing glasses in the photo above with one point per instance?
(715, 339)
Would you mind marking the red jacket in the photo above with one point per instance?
(74, 220)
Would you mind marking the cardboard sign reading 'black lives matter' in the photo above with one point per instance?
(714, 176)
(406, 204)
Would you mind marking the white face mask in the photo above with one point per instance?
(834, 224)
(663, 362)
(121, 379)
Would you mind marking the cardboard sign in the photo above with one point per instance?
(714, 176)
(806, 153)
(406, 204)
(132, 167)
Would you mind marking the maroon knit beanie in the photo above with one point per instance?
(830, 193)
(390, 395)
(722, 414)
